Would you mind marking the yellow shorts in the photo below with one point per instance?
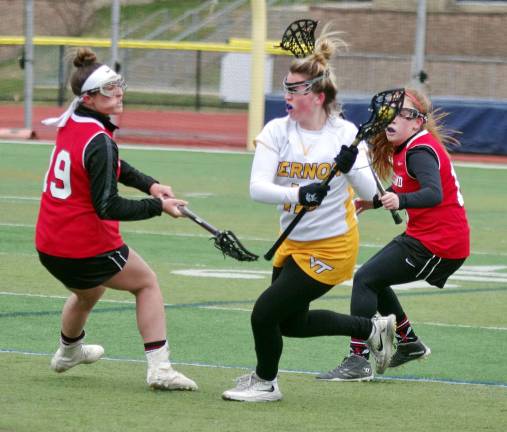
(330, 261)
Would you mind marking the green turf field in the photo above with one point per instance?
(461, 387)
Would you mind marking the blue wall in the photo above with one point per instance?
(483, 124)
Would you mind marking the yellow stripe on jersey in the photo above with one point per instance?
(330, 261)
(350, 209)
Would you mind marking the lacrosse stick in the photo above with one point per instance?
(380, 187)
(384, 107)
(299, 38)
(225, 241)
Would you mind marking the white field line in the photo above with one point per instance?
(234, 309)
(144, 147)
(138, 232)
(245, 238)
(225, 308)
(18, 198)
(20, 254)
(285, 371)
(480, 165)
(461, 326)
(14, 294)
(165, 234)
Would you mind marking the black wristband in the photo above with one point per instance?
(376, 202)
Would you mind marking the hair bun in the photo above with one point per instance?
(84, 57)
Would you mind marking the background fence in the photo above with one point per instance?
(466, 53)
(180, 54)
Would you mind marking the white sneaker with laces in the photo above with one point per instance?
(251, 388)
(381, 341)
(69, 356)
(161, 374)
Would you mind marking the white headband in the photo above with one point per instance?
(104, 74)
(99, 77)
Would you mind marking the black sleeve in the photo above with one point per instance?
(129, 176)
(101, 162)
(422, 163)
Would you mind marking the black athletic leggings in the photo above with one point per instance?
(283, 310)
(372, 290)
(402, 260)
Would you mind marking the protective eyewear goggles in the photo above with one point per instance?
(411, 114)
(111, 88)
(300, 87)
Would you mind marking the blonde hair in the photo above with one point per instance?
(317, 64)
(382, 150)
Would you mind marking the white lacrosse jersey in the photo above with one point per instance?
(287, 156)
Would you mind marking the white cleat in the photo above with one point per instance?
(68, 357)
(381, 341)
(164, 377)
(251, 388)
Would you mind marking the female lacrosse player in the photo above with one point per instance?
(293, 155)
(77, 234)
(435, 243)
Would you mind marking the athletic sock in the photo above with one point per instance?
(67, 341)
(151, 346)
(359, 347)
(157, 353)
(404, 331)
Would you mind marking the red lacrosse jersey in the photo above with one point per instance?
(443, 229)
(67, 225)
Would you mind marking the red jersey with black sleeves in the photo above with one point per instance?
(68, 225)
(443, 229)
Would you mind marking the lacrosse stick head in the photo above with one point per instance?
(384, 107)
(230, 246)
(299, 38)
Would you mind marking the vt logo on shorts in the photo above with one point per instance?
(320, 266)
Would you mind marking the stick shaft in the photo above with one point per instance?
(271, 252)
(396, 216)
(198, 220)
(377, 121)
